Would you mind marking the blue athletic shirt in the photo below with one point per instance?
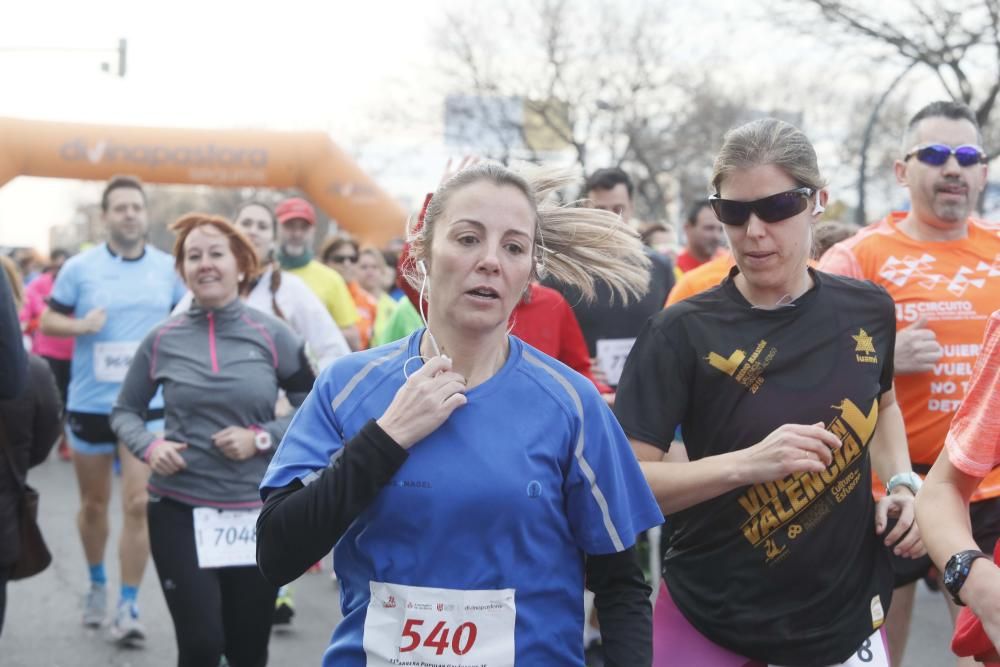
(510, 492)
(137, 295)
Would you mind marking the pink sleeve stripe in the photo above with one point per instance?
(149, 450)
(267, 337)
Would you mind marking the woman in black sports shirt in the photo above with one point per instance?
(781, 381)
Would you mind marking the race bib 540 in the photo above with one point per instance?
(439, 627)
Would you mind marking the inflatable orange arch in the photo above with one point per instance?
(309, 161)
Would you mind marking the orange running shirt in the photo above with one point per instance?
(974, 439)
(700, 278)
(367, 308)
(956, 286)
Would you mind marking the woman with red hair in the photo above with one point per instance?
(221, 365)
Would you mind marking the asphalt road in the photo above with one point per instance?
(43, 613)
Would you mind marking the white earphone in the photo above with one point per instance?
(818, 208)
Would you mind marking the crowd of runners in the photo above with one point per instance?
(484, 421)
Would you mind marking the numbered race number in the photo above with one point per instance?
(439, 626)
(871, 653)
(111, 360)
(611, 356)
(225, 538)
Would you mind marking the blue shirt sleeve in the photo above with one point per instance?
(607, 498)
(313, 437)
(66, 289)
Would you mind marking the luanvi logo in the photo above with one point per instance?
(748, 371)
(155, 155)
(864, 351)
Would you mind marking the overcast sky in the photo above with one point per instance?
(293, 64)
(282, 64)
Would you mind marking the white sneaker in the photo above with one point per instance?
(126, 629)
(95, 606)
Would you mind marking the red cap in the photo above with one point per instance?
(295, 208)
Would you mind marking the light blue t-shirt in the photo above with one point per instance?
(136, 294)
(509, 493)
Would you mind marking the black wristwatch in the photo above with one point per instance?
(957, 570)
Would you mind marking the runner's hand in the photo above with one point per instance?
(789, 449)
(917, 349)
(93, 321)
(899, 505)
(423, 403)
(236, 443)
(165, 457)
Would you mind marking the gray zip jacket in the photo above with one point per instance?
(218, 368)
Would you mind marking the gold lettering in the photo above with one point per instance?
(751, 530)
(750, 501)
(831, 473)
(768, 522)
(756, 353)
(838, 428)
(784, 513)
(796, 497)
(812, 484)
(851, 449)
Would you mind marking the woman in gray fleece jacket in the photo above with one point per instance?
(221, 365)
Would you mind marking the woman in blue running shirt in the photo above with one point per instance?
(471, 484)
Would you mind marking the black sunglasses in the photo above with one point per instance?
(937, 154)
(775, 208)
(340, 259)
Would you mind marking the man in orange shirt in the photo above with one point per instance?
(704, 235)
(702, 277)
(942, 268)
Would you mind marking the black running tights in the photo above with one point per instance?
(222, 611)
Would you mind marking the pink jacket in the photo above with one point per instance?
(35, 296)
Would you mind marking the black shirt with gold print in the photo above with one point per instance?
(790, 572)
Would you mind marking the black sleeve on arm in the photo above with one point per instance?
(13, 358)
(652, 394)
(58, 307)
(621, 597)
(300, 524)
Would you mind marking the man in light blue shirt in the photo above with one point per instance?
(108, 298)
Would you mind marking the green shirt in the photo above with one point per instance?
(404, 321)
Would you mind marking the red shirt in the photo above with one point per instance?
(546, 322)
(686, 261)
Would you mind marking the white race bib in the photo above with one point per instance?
(225, 538)
(611, 356)
(439, 626)
(871, 653)
(111, 360)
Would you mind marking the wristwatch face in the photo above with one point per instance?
(950, 576)
(263, 440)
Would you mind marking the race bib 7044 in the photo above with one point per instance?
(439, 627)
